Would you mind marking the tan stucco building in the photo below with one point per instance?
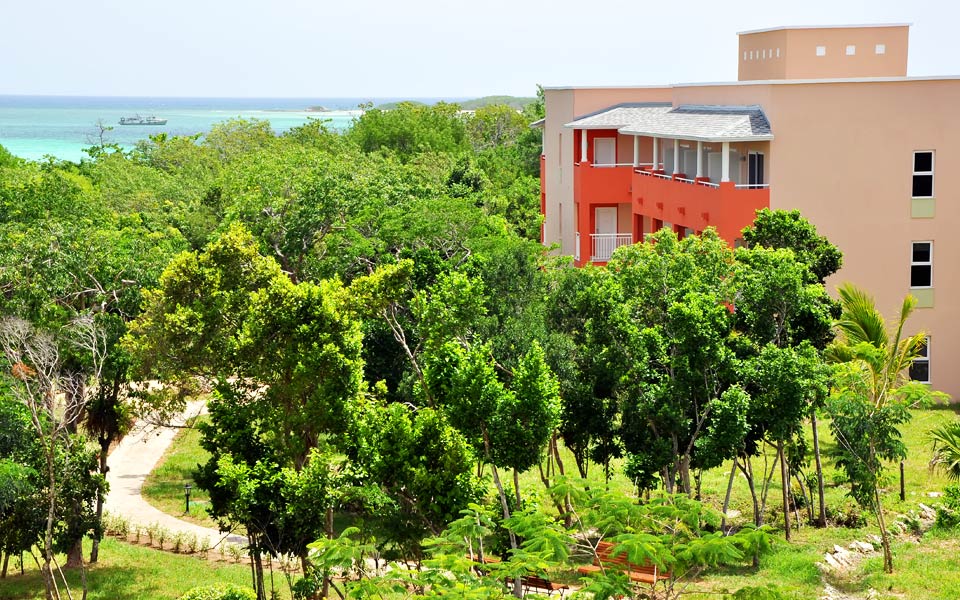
(822, 119)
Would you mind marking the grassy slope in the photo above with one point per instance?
(131, 572)
(163, 487)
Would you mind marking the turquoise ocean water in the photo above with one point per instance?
(62, 126)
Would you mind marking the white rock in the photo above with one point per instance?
(832, 561)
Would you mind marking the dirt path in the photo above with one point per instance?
(130, 463)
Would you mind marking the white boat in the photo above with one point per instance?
(138, 120)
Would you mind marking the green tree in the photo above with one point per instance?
(675, 322)
(946, 453)
(871, 397)
(811, 320)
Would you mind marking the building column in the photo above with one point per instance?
(699, 159)
(725, 168)
(676, 156)
(656, 163)
(583, 145)
(636, 151)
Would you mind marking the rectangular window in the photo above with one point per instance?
(778, 52)
(821, 50)
(923, 174)
(921, 265)
(880, 49)
(744, 55)
(920, 367)
(851, 50)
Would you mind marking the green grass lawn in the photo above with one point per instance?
(163, 487)
(132, 572)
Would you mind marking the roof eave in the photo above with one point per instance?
(697, 138)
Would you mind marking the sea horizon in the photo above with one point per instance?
(61, 126)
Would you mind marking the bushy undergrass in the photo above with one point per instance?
(163, 487)
(131, 572)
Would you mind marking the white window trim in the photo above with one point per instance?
(923, 359)
(851, 50)
(880, 49)
(933, 177)
(929, 263)
(821, 50)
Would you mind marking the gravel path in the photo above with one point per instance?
(130, 463)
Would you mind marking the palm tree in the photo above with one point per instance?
(867, 403)
(946, 449)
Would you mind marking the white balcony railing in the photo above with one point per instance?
(605, 243)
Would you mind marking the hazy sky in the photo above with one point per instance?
(349, 48)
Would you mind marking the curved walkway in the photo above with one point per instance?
(130, 463)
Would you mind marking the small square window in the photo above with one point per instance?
(821, 50)
(923, 174)
(851, 50)
(880, 49)
(920, 367)
(921, 265)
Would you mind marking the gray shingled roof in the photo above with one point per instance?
(688, 122)
(620, 115)
(707, 123)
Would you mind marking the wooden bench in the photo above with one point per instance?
(605, 560)
(530, 583)
(527, 582)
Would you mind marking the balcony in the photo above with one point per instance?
(698, 204)
(604, 244)
(603, 184)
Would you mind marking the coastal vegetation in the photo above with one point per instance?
(399, 372)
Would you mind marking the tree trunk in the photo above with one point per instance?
(516, 487)
(884, 535)
(104, 449)
(75, 555)
(567, 504)
(822, 514)
(747, 469)
(6, 561)
(903, 486)
(326, 574)
(726, 498)
(518, 582)
(784, 489)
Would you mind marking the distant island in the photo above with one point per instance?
(517, 102)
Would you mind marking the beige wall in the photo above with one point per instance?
(798, 58)
(763, 55)
(843, 155)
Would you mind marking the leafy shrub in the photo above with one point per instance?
(847, 514)
(153, 531)
(204, 546)
(219, 592)
(307, 587)
(758, 593)
(948, 513)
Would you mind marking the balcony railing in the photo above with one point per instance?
(605, 243)
(699, 203)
